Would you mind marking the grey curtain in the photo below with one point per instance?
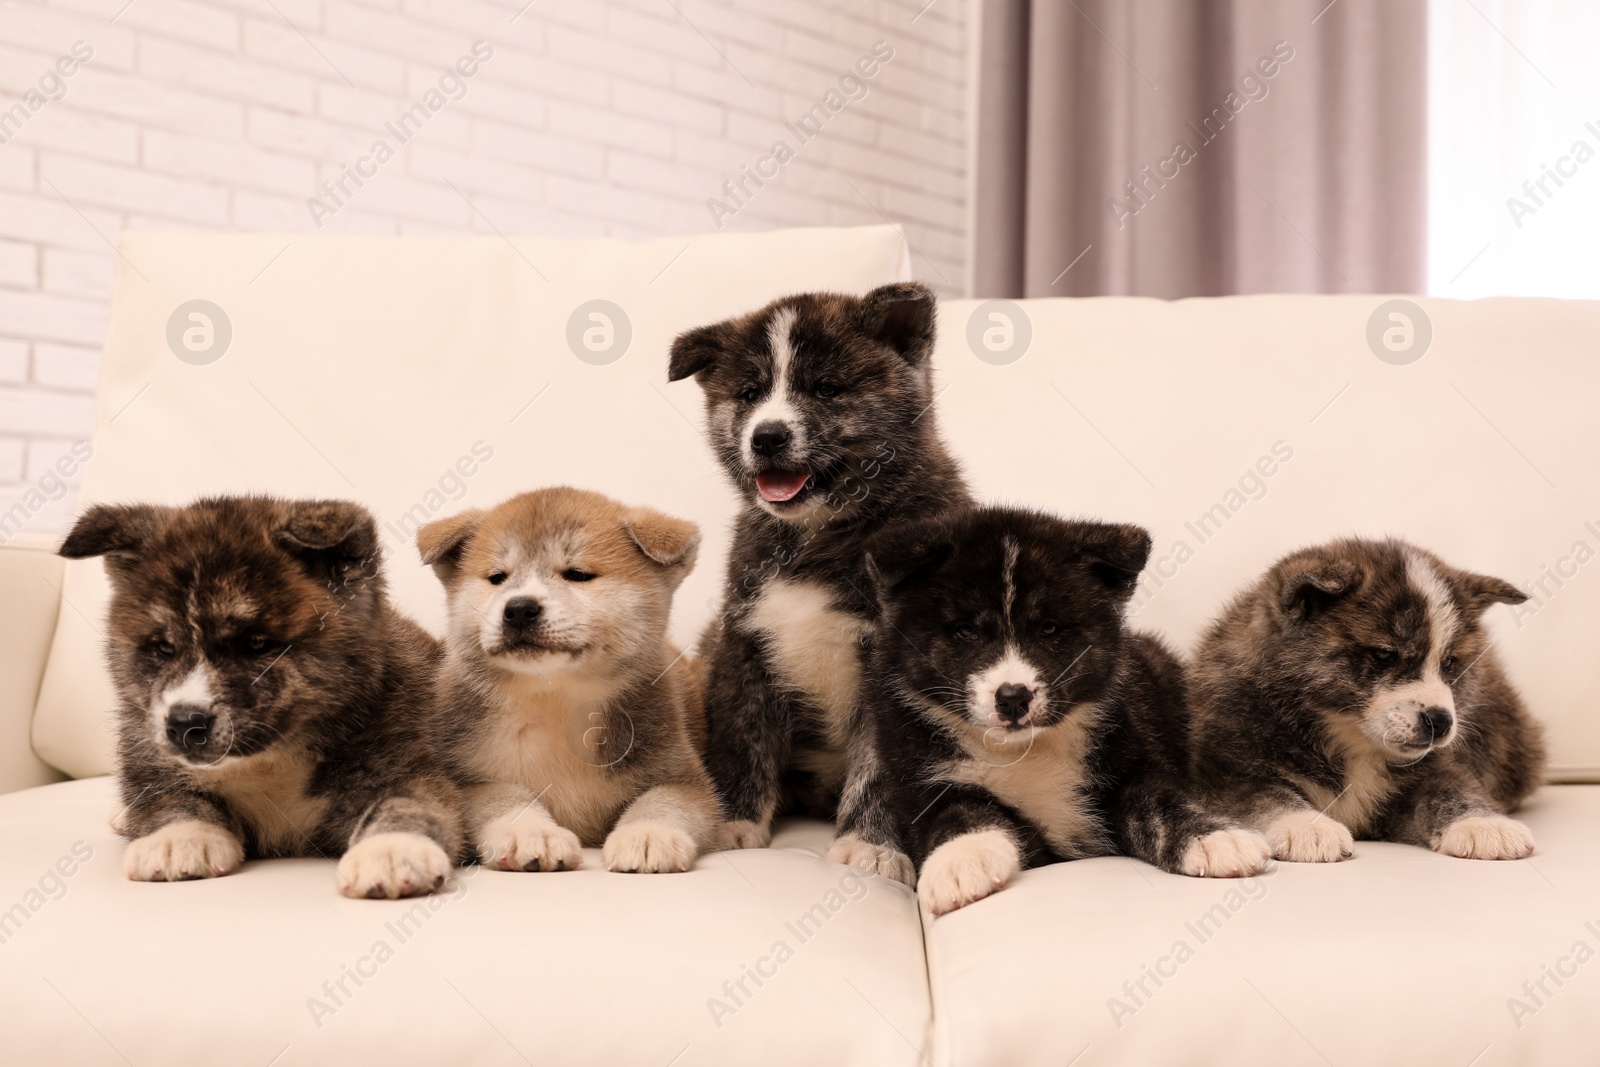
(1177, 148)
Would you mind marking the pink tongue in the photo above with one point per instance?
(778, 486)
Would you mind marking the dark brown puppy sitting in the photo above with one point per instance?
(819, 407)
(1352, 693)
(271, 701)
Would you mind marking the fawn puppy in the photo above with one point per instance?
(562, 709)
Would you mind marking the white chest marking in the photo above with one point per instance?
(1042, 777)
(813, 648)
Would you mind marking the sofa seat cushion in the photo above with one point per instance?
(1398, 956)
(578, 967)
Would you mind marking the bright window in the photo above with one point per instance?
(1514, 148)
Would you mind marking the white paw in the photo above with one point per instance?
(393, 865)
(872, 859)
(649, 848)
(1230, 853)
(967, 868)
(742, 833)
(1307, 836)
(183, 850)
(531, 843)
(1486, 837)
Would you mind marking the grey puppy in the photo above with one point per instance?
(1352, 693)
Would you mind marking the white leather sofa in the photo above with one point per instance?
(1234, 428)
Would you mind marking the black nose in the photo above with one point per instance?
(1012, 701)
(523, 612)
(189, 727)
(1437, 722)
(769, 438)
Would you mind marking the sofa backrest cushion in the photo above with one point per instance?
(1240, 428)
(419, 377)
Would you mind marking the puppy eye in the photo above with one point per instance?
(826, 390)
(574, 574)
(965, 633)
(750, 395)
(165, 648)
(256, 643)
(498, 578)
(1448, 664)
(1049, 629)
(1381, 657)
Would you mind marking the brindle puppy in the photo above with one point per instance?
(1352, 693)
(270, 700)
(820, 408)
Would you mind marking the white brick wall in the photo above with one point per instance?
(594, 117)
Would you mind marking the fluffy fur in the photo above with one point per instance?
(563, 710)
(819, 407)
(270, 700)
(1019, 723)
(1352, 693)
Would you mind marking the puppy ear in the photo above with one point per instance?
(1310, 584)
(903, 554)
(671, 543)
(1117, 554)
(441, 542)
(901, 316)
(695, 350)
(115, 530)
(1481, 591)
(337, 538)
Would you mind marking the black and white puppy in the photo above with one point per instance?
(1352, 693)
(271, 702)
(1019, 722)
(819, 407)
